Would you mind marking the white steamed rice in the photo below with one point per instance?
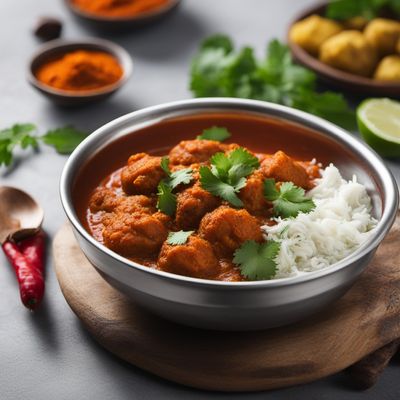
(340, 222)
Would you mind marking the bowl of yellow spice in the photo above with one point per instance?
(74, 73)
(116, 15)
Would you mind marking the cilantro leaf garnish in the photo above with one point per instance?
(165, 165)
(23, 135)
(257, 260)
(177, 238)
(64, 139)
(166, 199)
(227, 174)
(219, 71)
(216, 133)
(217, 187)
(289, 200)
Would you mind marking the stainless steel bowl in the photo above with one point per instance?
(241, 305)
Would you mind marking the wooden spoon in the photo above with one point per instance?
(20, 215)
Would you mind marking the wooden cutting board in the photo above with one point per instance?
(365, 319)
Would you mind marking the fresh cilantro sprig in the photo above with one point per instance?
(257, 260)
(166, 201)
(17, 135)
(216, 133)
(289, 200)
(227, 174)
(178, 238)
(369, 9)
(64, 140)
(219, 71)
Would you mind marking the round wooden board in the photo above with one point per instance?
(365, 319)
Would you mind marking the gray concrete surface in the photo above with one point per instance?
(48, 355)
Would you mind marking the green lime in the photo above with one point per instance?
(379, 124)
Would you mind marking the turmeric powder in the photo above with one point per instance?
(119, 8)
(80, 70)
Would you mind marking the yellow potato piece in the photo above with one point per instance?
(384, 34)
(312, 31)
(388, 69)
(357, 23)
(349, 51)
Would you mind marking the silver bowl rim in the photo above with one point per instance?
(390, 206)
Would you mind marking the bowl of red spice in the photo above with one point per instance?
(74, 73)
(120, 14)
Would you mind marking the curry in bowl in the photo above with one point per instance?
(215, 209)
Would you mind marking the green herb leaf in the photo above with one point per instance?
(217, 187)
(218, 42)
(345, 9)
(257, 261)
(177, 177)
(227, 174)
(220, 71)
(289, 200)
(64, 139)
(166, 199)
(165, 165)
(181, 176)
(216, 133)
(17, 135)
(178, 238)
(166, 202)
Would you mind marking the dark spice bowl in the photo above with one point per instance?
(115, 24)
(219, 304)
(57, 48)
(345, 81)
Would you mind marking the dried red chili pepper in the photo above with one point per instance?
(27, 259)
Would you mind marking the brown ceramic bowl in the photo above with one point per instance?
(56, 48)
(113, 23)
(342, 80)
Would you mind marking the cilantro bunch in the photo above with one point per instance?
(369, 9)
(64, 140)
(228, 173)
(220, 71)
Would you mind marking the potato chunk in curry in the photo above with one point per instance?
(192, 204)
(142, 174)
(283, 168)
(134, 234)
(195, 258)
(194, 151)
(227, 228)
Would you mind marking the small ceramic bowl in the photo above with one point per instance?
(56, 48)
(342, 80)
(114, 23)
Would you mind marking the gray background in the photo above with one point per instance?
(48, 355)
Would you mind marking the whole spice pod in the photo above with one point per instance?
(48, 28)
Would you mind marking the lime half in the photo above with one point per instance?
(379, 124)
